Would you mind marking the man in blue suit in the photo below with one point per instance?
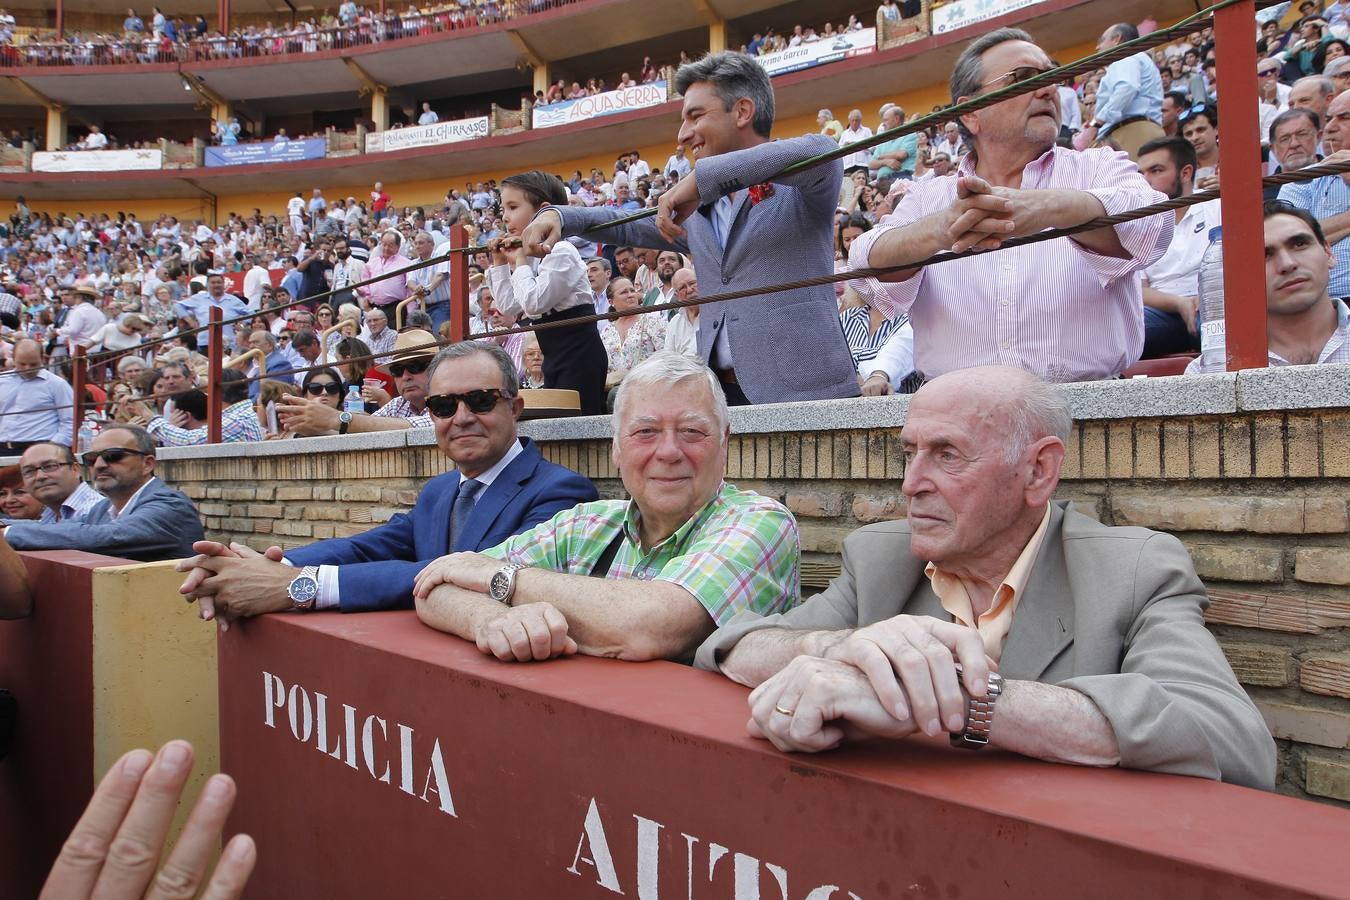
(501, 487)
(142, 518)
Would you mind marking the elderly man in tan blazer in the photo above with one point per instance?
(1000, 616)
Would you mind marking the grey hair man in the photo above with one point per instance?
(684, 555)
(1000, 616)
(728, 114)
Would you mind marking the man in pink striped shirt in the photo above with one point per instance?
(1070, 309)
(386, 259)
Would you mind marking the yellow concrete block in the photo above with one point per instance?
(1205, 449)
(1336, 445)
(1176, 449)
(1093, 460)
(1236, 436)
(1073, 457)
(1119, 450)
(1269, 436)
(1301, 436)
(154, 671)
(808, 456)
(1147, 449)
(857, 464)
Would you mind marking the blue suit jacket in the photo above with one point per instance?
(276, 362)
(162, 525)
(377, 568)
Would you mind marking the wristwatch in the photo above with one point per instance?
(502, 586)
(344, 421)
(304, 588)
(979, 714)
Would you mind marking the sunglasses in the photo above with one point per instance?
(412, 368)
(111, 456)
(1194, 110)
(314, 389)
(1019, 75)
(444, 406)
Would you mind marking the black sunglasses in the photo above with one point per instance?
(444, 406)
(416, 367)
(1193, 111)
(111, 456)
(315, 388)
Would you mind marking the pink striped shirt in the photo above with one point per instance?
(1057, 309)
(391, 290)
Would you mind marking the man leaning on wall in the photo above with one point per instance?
(1000, 616)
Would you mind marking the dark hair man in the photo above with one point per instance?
(728, 114)
(142, 517)
(500, 486)
(52, 475)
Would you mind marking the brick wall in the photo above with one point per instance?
(1260, 499)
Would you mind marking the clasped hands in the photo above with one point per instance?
(889, 679)
(983, 216)
(529, 631)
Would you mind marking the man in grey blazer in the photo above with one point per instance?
(142, 518)
(743, 231)
(1077, 642)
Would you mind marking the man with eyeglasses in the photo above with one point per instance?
(1293, 141)
(414, 350)
(51, 474)
(1328, 197)
(141, 518)
(1067, 309)
(501, 486)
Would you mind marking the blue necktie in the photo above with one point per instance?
(459, 513)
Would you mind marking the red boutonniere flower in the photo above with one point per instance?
(760, 192)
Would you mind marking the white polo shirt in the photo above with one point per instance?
(1178, 272)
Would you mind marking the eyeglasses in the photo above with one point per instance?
(416, 367)
(1303, 134)
(111, 456)
(315, 388)
(1266, 73)
(1019, 75)
(444, 406)
(47, 468)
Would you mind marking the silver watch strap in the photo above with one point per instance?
(979, 714)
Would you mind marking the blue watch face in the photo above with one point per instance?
(304, 589)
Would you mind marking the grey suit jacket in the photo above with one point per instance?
(162, 524)
(1114, 613)
(784, 346)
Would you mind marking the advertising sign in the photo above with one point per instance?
(427, 135)
(818, 53)
(96, 160)
(266, 152)
(606, 104)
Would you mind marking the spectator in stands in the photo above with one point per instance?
(35, 403)
(1200, 126)
(83, 322)
(347, 270)
(1086, 643)
(295, 211)
(314, 269)
(500, 486)
(428, 116)
(387, 293)
(51, 476)
(630, 339)
(94, 140)
(16, 502)
(598, 274)
(142, 517)
(1293, 141)
(896, 156)
(552, 289)
(855, 132)
(377, 334)
(728, 106)
(998, 308)
(324, 385)
(531, 362)
(1174, 103)
(685, 554)
(951, 143)
(198, 306)
(413, 353)
(239, 419)
(1313, 93)
(1172, 284)
(120, 334)
(275, 364)
(1305, 323)
(668, 263)
(1129, 98)
(678, 166)
(430, 284)
(682, 329)
(379, 202)
(1328, 198)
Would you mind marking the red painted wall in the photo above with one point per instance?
(586, 777)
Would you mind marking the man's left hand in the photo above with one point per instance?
(471, 571)
(245, 586)
(676, 205)
(307, 417)
(813, 704)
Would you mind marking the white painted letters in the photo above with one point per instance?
(368, 747)
(593, 833)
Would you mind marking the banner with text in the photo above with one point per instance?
(818, 53)
(96, 160)
(961, 13)
(427, 135)
(266, 152)
(606, 104)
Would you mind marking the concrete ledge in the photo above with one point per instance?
(1293, 387)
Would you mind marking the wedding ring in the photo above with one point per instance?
(786, 712)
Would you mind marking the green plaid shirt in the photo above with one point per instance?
(738, 553)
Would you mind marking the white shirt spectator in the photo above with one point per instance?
(1178, 272)
(254, 281)
(96, 140)
(852, 136)
(679, 165)
(428, 118)
(82, 323)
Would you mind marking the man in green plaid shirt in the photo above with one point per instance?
(684, 556)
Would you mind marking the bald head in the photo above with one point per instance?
(1017, 404)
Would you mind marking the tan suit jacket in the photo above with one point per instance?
(1114, 613)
